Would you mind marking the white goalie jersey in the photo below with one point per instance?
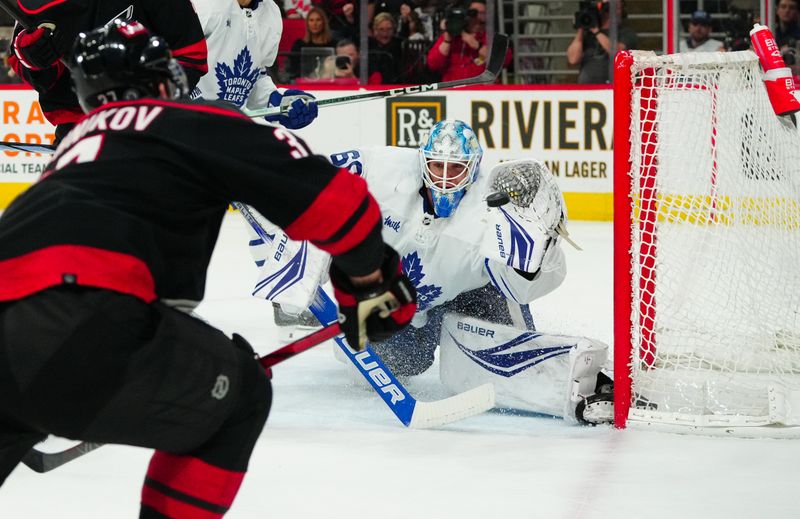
(443, 257)
(242, 44)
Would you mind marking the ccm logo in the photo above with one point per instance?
(477, 330)
(379, 376)
(411, 90)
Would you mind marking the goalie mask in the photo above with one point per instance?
(449, 160)
(123, 61)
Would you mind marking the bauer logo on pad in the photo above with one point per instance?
(409, 119)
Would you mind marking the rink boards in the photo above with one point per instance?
(568, 127)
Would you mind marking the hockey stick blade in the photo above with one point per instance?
(42, 462)
(27, 147)
(457, 407)
(497, 55)
(407, 409)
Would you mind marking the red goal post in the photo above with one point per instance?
(706, 248)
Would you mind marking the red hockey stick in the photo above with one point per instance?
(300, 345)
(41, 462)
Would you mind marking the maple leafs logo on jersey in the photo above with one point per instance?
(426, 294)
(235, 84)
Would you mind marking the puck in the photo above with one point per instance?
(497, 199)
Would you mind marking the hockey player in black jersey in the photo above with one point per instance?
(36, 53)
(97, 255)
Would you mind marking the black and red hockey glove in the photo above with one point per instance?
(376, 311)
(37, 49)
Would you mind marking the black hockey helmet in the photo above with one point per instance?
(123, 61)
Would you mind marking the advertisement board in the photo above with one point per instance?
(568, 128)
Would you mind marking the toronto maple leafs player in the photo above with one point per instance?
(242, 38)
(475, 266)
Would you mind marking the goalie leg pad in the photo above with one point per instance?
(530, 370)
(288, 271)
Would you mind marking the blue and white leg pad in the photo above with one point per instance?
(530, 370)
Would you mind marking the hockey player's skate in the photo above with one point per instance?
(292, 327)
(597, 408)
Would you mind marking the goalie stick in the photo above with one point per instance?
(410, 411)
(41, 462)
(497, 56)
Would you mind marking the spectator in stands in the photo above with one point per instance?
(410, 26)
(345, 65)
(699, 39)
(461, 50)
(318, 35)
(787, 30)
(344, 17)
(296, 8)
(385, 49)
(591, 46)
(7, 74)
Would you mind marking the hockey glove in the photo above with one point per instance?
(37, 49)
(302, 108)
(374, 312)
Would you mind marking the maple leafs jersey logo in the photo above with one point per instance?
(235, 84)
(426, 294)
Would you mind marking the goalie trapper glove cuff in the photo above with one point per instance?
(377, 311)
(302, 108)
(37, 49)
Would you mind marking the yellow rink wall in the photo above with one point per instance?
(570, 128)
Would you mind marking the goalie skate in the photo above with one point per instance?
(596, 409)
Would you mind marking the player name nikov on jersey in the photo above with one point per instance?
(119, 118)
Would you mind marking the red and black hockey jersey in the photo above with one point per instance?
(134, 197)
(173, 20)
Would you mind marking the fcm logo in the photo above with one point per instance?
(409, 119)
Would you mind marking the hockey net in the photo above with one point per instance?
(707, 248)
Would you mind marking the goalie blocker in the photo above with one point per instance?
(556, 375)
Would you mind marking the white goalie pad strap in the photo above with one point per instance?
(585, 361)
(291, 272)
(530, 370)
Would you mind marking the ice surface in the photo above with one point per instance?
(332, 449)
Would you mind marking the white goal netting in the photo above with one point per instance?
(715, 255)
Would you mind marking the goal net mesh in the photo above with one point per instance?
(715, 190)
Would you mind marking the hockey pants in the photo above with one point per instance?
(104, 367)
(411, 351)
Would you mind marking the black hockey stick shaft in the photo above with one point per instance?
(497, 56)
(11, 8)
(42, 462)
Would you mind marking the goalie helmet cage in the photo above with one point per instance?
(706, 248)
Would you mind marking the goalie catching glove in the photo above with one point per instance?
(378, 310)
(519, 234)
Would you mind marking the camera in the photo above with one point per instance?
(589, 15)
(789, 54)
(455, 20)
(342, 62)
(737, 29)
